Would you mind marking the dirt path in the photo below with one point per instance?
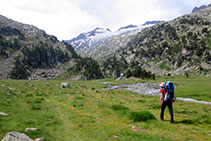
(149, 89)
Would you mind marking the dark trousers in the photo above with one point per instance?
(169, 104)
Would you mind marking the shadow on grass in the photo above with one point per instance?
(186, 121)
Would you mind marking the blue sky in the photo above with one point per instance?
(67, 18)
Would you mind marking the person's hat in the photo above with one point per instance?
(162, 84)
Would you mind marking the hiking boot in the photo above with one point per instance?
(172, 122)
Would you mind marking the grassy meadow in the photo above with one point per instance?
(87, 112)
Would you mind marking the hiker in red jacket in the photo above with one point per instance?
(165, 102)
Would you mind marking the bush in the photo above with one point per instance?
(141, 101)
(142, 116)
(119, 107)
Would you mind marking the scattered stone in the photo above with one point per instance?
(9, 93)
(45, 74)
(65, 85)
(105, 82)
(137, 128)
(47, 84)
(10, 89)
(116, 136)
(183, 127)
(3, 114)
(2, 85)
(209, 134)
(31, 85)
(39, 139)
(31, 129)
(8, 100)
(84, 86)
(15, 136)
(134, 128)
(25, 83)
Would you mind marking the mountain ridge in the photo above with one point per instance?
(197, 9)
(85, 42)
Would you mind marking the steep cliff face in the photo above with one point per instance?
(25, 49)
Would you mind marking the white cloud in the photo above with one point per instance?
(67, 18)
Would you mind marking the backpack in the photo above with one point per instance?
(170, 90)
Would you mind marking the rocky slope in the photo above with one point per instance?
(174, 47)
(27, 52)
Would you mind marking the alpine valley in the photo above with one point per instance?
(176, 47)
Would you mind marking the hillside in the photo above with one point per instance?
(172, 48)
(27, 52)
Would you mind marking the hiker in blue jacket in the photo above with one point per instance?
(167, 99)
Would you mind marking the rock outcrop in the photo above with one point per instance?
(15, 136)
(65, 85)
(3, 114)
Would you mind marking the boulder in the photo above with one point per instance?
(3, 114)
(39, 139)
(15, 136)
(31, 129)
(10, 89)
(65, 85)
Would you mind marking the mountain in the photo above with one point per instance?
(180, 46)
(86, 42)
(128, 27)
(117, 43)
(27, 52)
(196, 9)
(152, 22)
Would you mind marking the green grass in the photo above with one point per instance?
(142, 116)
(87, 112)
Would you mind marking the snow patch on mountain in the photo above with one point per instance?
(89, 40)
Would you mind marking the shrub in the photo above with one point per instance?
(119, 107)
(142, 116)
(141, 101)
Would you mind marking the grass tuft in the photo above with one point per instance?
(142, 116)
(119, 107)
